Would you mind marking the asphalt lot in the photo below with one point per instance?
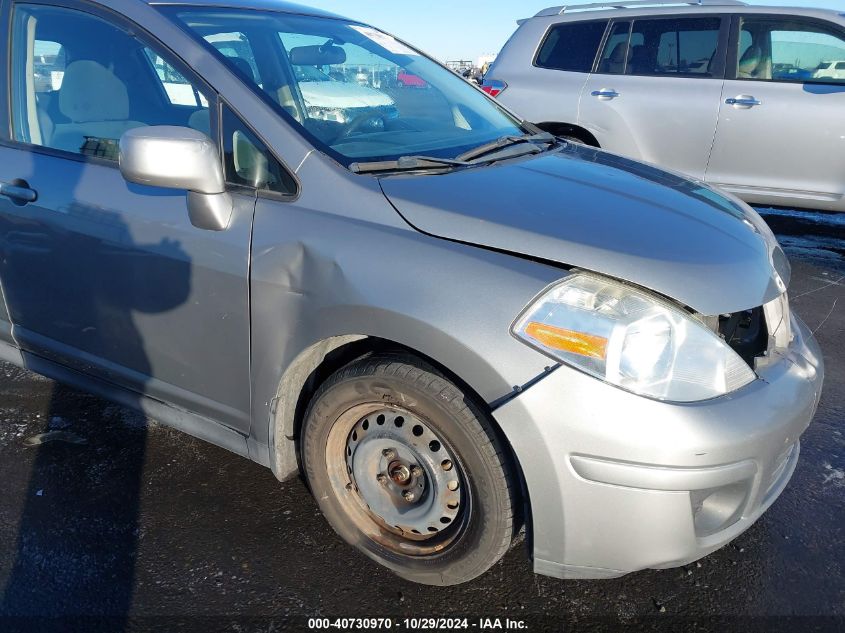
(111, 515)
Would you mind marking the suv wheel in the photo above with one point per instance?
(408, 470)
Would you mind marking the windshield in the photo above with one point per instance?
(310, 73)
(357, 93)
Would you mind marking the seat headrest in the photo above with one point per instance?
(617, 56)
(91, 92)
(201, 121)
(639, 51)
(242, 67)
(750, 61)
(639, 60)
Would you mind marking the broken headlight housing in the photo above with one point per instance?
(631, 338)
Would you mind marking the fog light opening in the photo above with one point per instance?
(715, 509)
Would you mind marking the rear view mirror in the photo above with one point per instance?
(179, 158)
(325, 55)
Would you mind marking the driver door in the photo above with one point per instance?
(107, 278)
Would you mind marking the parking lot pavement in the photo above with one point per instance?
(105, 513)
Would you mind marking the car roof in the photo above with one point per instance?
(261, 5)
(621, 8)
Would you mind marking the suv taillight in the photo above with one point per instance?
(493, 87)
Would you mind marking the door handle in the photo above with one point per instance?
(18, 192)
(605, 94)
(743, 101)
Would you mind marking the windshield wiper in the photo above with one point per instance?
(408, 163)
(467, 159)
(506, 141)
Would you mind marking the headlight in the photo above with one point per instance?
(631, 339)
(338, 115)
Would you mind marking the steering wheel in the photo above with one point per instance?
(356, 124)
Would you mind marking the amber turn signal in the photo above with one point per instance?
(568, 340)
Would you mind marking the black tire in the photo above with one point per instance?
(402, 386)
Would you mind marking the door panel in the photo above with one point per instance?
(781, 132)
(655, 96)
(113, 280)
(669, 122)
(793, 143)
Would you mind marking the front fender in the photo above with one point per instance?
(330, 279)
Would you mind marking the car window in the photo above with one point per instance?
(310, 73)
(572, 47)
(48, 66)
(178, 89)
(356, 93)
(361, 67)
(79, 83)
(685, 46)
(248, 162)
(235, 46)
(615, 54)
(790, 50)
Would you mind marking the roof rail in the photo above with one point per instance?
(638, 3)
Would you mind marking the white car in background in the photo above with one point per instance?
(830, 70)
(328, 99)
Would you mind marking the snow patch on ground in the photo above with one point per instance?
(834, 476)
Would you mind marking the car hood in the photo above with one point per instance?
(590, 209)
(337, 94)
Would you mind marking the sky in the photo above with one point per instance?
(467, 29)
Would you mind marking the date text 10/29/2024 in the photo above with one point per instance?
(417, 624)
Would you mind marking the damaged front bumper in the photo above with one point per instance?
(619, 483)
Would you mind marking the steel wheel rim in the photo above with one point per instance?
(397, 479)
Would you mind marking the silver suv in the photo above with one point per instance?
(747, 98)
(451, 323)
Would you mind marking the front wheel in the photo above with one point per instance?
(408, 469)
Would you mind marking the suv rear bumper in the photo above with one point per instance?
(619, 483)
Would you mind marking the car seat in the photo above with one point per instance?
(754, 65)
(242, 67)
(640, 61)
(97, 104)
(615, 64)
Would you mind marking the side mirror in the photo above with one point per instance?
(179, 158)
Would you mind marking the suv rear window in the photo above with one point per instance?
(572, 47)
(790, 50)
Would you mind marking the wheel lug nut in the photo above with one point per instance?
(389, 453)
(416, 471)
(409, 496)
(382, 478)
